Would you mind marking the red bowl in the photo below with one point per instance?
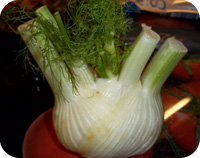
(40, 140)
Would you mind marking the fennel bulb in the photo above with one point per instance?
(102, 114)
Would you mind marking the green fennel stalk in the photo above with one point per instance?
(107, 61)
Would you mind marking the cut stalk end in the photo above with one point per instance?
(149, 33)
(162, 64)
(140, 52)
(177, 46)
(45, 13)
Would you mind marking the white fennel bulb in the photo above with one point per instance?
(117, 116)
(109, 120)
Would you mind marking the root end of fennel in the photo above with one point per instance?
(118, 111)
